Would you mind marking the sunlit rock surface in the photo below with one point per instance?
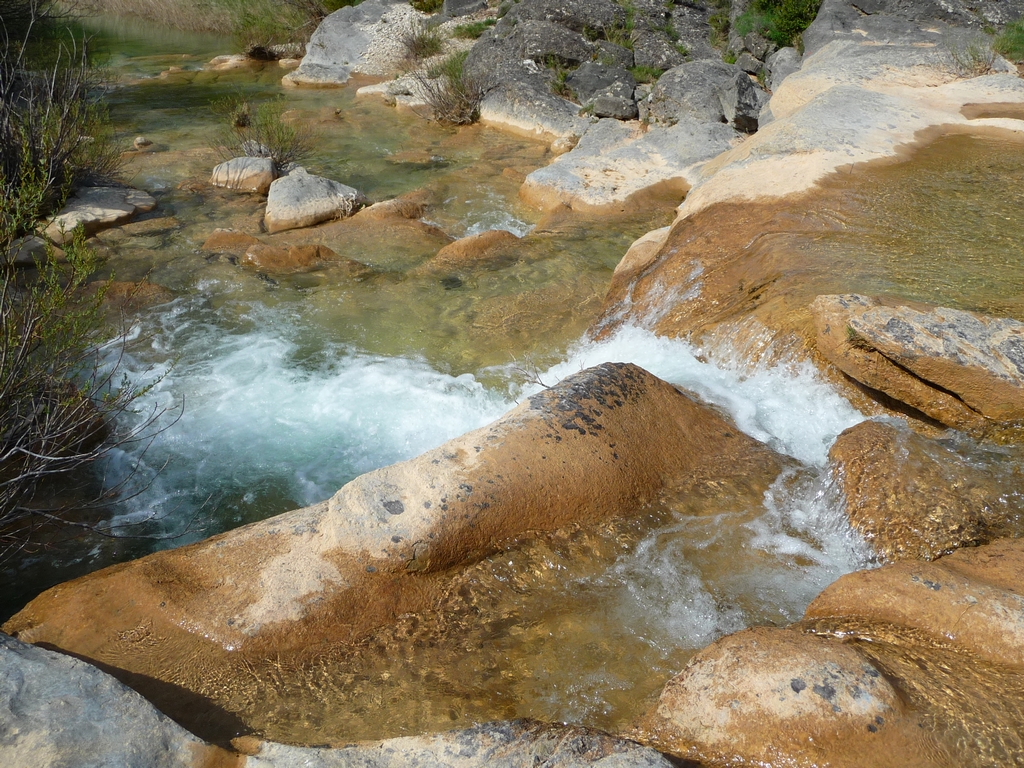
(246, 174)
(97, 208)
(911, 664)
(598, 445)
(302, 200)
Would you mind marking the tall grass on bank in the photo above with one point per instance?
(781, 21)
(1010, 43)
(453, 95)
(255, 129)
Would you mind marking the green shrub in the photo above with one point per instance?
(646, 74)
(333, 5)
(1010, 43)
(427, 6)
(422, 42)
(781, 21)
(473, 30)
(256, 130)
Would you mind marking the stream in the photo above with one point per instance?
(292, 385)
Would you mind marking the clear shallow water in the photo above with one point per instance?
(294, 384)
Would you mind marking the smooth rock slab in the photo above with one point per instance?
(958, 367)
(246, 174)
(302, 200)
(59, 712)
(97, 208)
(616, 160)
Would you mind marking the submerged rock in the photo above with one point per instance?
(302, 200)
(246, 174)
(472, 252)
(600, 444)
(98, 208)
(914, 497)
(228, 240)
(962, 369)
(912, 664)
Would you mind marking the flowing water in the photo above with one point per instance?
(293, 384)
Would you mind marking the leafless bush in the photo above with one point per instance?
(453, 96)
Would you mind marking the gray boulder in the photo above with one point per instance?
(303, 200)
(512, 744)
(494, 61)
(903, 21)
(691, 24)
(749, 64)
(452, 8)
(758, 46)
(709, 91)
(59, 712)
(98, 208)
(246, 174)
(614, 55)
(780, 65)
(654, 49)
(593, 78)
(607, 90)
(577, 15)
(339, 45)
(542, 41)
(526, 108)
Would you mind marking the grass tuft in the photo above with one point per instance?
(473, 30)
(1010, 43)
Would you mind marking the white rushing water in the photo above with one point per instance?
(265, 418)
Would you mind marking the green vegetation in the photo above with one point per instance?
(646, 74)
(473, 30)
(422, 42)
(781, 21)
(1010, 43)
(257, 130)
(427, 6)
(57, 399)
(453, 96)
(719, 22)
(971, 55)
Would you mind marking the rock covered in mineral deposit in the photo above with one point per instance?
(302, 200)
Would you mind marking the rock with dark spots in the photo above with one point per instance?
(690, 21)
(780, 65)
(58, 711)
(912, 497)
(903, 22)
(303, 200)
(245, 174)
(98, 208)
(911, 664)
(602, 443)
(545, 42)
(652, 48)
(708, 91)
(761, 696)
(962, 369)
(577, 15)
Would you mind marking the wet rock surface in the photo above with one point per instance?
(961, 369)
(914, 497)
(910, 664)
(596, 446)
